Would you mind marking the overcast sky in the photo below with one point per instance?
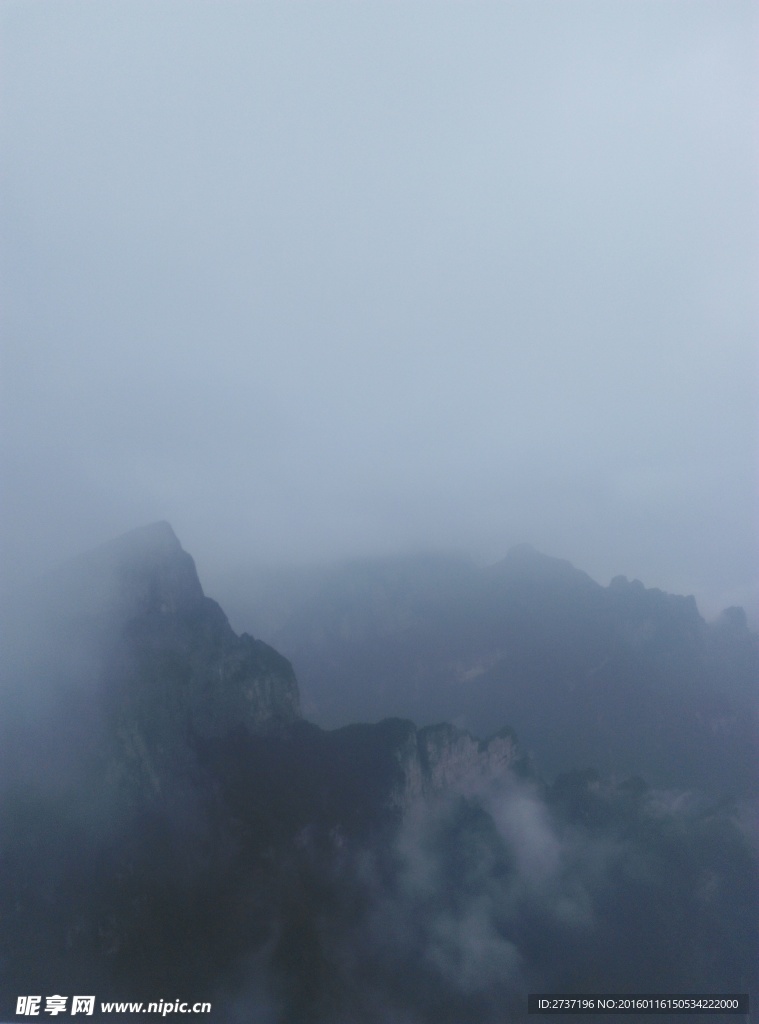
(331, 279)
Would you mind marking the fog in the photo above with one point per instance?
(335, 280)
(495, 894)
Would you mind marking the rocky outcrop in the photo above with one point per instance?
(124, 655)
(441, 759)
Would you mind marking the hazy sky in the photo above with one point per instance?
(324, 279)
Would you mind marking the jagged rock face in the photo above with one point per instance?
(441, 759)
(123, 641)
(212, 680)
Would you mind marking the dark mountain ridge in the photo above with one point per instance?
(624, 678)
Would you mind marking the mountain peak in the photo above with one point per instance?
(128, 624)
(523, 551)
(158, 537)
(524, 563)
(146, 567)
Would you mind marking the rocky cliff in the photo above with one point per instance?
(119, 652)
(441, 759)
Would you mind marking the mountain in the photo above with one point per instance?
(146, 748)
(121, 654)
(623, 678)
(172, 828)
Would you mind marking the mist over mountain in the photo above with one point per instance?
(318, 284)
(622, 678)
(123, 641)
(171, 825)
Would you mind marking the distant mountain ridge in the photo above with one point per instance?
(623, 678)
